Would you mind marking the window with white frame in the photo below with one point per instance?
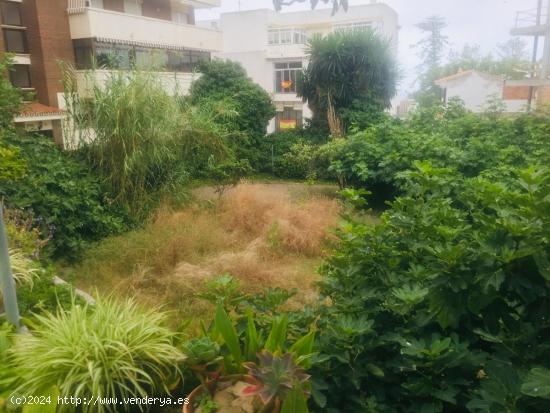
(286, 75)
(287, 36)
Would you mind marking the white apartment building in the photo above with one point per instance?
(271, 47)
(121, 34)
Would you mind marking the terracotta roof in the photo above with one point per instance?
(38, 109)
(463, 73)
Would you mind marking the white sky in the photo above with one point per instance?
(483, 22)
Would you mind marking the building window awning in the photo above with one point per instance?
(37, 111)
(154, 45)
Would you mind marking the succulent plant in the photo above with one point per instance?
(201, 351)
(274, 377)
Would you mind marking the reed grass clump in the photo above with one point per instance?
(113, 349)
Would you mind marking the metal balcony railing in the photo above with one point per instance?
(528, 18)
(77, 6)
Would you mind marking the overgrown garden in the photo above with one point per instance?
(441, 306)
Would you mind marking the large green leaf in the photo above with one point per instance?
(277, 335)
(295, 402)
(537, 383)
(229, 334)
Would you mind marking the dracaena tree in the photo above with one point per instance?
(336, 4)
(348, 72)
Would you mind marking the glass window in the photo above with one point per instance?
(98, 4)
(20, 76)
(11, 14)
(286, 36)
(15, 41)
(289, 118)
(180, 17)
(286, 75)
(273, 36)
(132, 7)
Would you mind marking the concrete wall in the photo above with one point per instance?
(474, 90)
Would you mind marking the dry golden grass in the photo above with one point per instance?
(264, 235)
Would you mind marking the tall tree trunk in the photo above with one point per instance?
(334, 122)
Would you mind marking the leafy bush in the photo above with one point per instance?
(62, 195)
(110, 350)
(10, 97)
(43, 296)
(443, 306)
(298, 162)
(446, 137)
(227, 81)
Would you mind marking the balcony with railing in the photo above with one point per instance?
(529, 23)
(88, 22)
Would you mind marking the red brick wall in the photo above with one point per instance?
(515, 93)
(158, 9)
(49, 40)
(114, 5)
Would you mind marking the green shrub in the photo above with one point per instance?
(298, 162)
(43, 296)
(227, 81)
(66, 200)
(109, 350)
(442, 307)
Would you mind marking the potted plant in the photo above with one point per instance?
(273, 385)
(252, 375)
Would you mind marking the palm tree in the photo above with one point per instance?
(336, 4)
(346, 70)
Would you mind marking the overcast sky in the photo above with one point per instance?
(483, 22)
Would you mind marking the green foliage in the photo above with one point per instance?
(111, 350)
(512, 60)
(12, 166)
(347, 72)
(276, 378)
(43, 296)
(228, 82)
(66, 200)
(274, 147)
(10, 96)
(9, 375)
(446, 137)
(298, 162)
(431, 48)
(228, 174)
(443, 306)
(129, 130)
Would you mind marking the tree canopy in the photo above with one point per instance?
(228, 81)
(347, 70)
